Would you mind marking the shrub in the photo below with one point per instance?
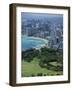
(45, 75)
(32, 75)
(39, 74)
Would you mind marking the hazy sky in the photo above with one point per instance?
(40, 15)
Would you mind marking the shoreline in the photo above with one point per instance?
(42, 42)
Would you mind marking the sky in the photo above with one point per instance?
(27, 15)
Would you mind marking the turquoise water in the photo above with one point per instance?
(28, 42)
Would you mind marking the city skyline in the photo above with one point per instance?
(50, 29)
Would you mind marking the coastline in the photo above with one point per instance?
(37, 42)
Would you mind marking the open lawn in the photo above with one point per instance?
(33, 69)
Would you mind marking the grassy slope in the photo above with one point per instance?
(33, 68)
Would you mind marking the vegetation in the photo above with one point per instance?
(43, 62)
